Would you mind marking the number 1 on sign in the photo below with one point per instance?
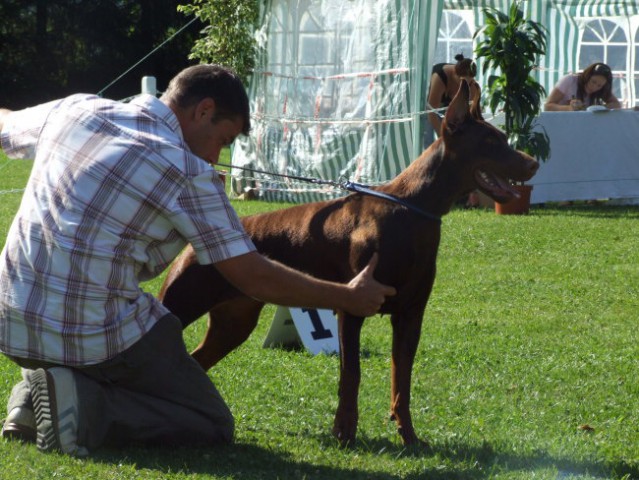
(319, 332)
(317, 329)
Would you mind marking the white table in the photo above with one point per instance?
(594, 155)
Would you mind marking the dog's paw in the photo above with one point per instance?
(410, 439)
(345, 437)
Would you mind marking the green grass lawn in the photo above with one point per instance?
(527, 368)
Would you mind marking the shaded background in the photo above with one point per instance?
(50, 49)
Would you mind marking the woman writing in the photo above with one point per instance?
(593, 86)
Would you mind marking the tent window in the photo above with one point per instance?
(455, 36)
(315, 44)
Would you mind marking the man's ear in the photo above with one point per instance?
(204, 109)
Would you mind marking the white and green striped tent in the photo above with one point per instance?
(339, 91)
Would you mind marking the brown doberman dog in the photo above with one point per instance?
(335, 239)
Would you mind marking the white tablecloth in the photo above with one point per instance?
(594, 155)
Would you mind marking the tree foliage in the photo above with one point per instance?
(229, 35)
(51, 49)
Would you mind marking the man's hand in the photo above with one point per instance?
(369, 294)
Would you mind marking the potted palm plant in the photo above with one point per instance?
(509, 45)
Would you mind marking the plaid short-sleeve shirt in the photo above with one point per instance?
(114, 195)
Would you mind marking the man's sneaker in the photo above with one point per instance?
(55, 400)
(20, 425)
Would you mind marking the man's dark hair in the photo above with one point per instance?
(198, 82)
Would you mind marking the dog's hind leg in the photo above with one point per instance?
(406, 331)
(346, 417)
(230, 324)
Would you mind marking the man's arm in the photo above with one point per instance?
(272, 282)
(3, 113)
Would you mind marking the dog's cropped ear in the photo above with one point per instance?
(457, 112)
(475, 95)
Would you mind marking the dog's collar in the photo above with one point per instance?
(358, 188)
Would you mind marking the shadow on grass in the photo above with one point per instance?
(450, 461)
(464, 462)
(238, 461)
(489, 460)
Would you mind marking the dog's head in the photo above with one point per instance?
(480, 151)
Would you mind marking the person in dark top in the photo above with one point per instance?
(444, 83)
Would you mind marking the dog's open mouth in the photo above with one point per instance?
(498, 188)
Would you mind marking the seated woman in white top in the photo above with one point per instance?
(593, 86)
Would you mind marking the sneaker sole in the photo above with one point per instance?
(43, 395)
(57, 430)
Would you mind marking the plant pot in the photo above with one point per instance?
(517, 206)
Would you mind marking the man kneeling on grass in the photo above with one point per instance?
(116, 191)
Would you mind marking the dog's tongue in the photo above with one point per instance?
(497, 187)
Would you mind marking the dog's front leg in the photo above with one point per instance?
(345, 425)
(406, 331)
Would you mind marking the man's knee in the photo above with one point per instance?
(219, 431)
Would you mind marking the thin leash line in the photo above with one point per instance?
(348, 186)
(392, 71)
(148, 55)
(11, 190)
(397, 118)
(315, 181)
(7, 163)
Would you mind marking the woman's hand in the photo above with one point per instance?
(576, 104)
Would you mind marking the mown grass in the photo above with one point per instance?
(527, 368)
